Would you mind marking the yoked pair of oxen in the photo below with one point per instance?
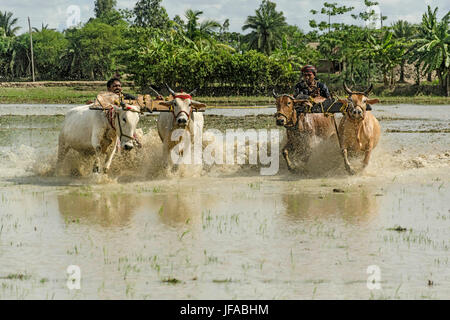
(359, 131)
(100, 132)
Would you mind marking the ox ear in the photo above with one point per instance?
(166, 103)
(372, 101)
(197, 104)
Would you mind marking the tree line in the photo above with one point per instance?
(150, 48)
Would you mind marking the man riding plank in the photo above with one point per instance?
(310, 86)
(114, 85)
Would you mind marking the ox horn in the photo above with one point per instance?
(157, 93)
(347, 89)
(275, 94)
(368, 90)
(192, 92)
(170, 90)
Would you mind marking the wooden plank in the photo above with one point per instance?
(327, 106)
(157, 106)
(144, 102)
(106, 100)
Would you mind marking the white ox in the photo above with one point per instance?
(181, 116)
(91, 132)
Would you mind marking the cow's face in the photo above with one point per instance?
(128, 119)
(181, 107)
(285, 110)
(357, 105)
(357, 102)
(182, 111)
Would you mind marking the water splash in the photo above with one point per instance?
(147, 162)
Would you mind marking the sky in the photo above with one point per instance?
(60, 14)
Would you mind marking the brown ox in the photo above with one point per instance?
(301, 129)
(359, 130)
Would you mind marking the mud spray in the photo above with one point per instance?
(147, 163)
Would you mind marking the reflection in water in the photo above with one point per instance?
(225, 236)
(180, 207)
(352, 207)
(99, 208)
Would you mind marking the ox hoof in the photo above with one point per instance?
(351, 171)
(293, 169)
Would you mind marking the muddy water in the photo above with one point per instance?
(226, 232)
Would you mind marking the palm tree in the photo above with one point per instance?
(267, 26)
(404, 32)
(7, 23)
(195, 30)
(43, 27)
(432, 47)
(208, 27)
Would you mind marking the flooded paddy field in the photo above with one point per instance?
(225, 231)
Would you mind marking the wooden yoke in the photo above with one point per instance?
(196, 106)
(146, 103)
(319, 105)
(106, 100)
(309, 101)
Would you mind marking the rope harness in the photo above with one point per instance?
(357, 123)
(182, 97)
(278, 114)
(349, 108)
(111, 115)
(327, 112)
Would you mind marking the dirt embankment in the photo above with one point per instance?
(36, 84)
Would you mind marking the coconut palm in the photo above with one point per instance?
(7, 23)
(43, 27)
(195, 30)
(267, 26)
(432, 47)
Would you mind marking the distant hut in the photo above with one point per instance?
(325, 65)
